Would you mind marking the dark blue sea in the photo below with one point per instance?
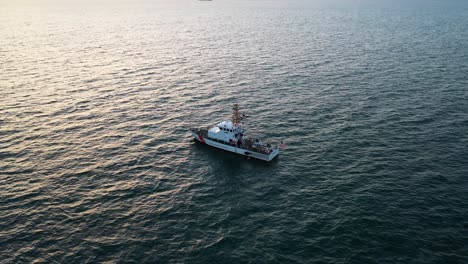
(97, 164)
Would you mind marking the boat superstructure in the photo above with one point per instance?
(230, 136)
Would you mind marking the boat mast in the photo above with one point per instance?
(235, 115)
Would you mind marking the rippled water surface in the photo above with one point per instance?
(97, 164)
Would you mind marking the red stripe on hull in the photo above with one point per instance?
(202, 140)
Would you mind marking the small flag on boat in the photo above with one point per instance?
(282, 144)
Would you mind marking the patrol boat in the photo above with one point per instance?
(229, 136)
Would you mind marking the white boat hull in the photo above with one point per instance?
(234, 149)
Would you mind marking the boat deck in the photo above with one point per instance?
(246, 143)
(202, 132)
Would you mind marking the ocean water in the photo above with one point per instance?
(97, 164)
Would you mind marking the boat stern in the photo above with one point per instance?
(273, 154)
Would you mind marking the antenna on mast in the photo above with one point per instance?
(236, 115)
